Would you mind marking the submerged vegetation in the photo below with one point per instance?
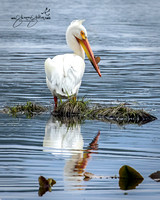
(80, 110)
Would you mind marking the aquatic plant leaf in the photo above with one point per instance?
(129, 184)
(129, 178)
(155, 176)
(51, 181)
(45, 185)
(43, 182)
(129, 173)
(43, 190)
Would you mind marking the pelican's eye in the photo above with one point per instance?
(83, 35)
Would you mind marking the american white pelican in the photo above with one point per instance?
(64, 72)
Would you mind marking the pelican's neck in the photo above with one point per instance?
(74, 45)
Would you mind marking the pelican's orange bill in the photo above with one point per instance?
(86, 46)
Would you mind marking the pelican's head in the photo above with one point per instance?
(76, 36)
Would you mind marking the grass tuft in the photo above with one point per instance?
(72, 107)
(29, 109)
(120, 114)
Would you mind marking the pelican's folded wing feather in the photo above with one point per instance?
(64, 74)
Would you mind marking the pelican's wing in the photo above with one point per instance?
(53, 71)
(64, 74)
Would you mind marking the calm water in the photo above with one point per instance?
(125, 34)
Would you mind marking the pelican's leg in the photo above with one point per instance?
(55, 102)
(74, 98)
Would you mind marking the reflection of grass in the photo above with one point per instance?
(70, 122)
(29, 109)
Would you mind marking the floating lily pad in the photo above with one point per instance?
(129, 178)
(129, 184)
(45, 185)
(155, 176)
(128, 172)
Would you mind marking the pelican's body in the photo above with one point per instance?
(64, 72)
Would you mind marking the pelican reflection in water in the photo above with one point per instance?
(60, 139)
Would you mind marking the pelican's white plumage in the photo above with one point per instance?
(64, 72)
